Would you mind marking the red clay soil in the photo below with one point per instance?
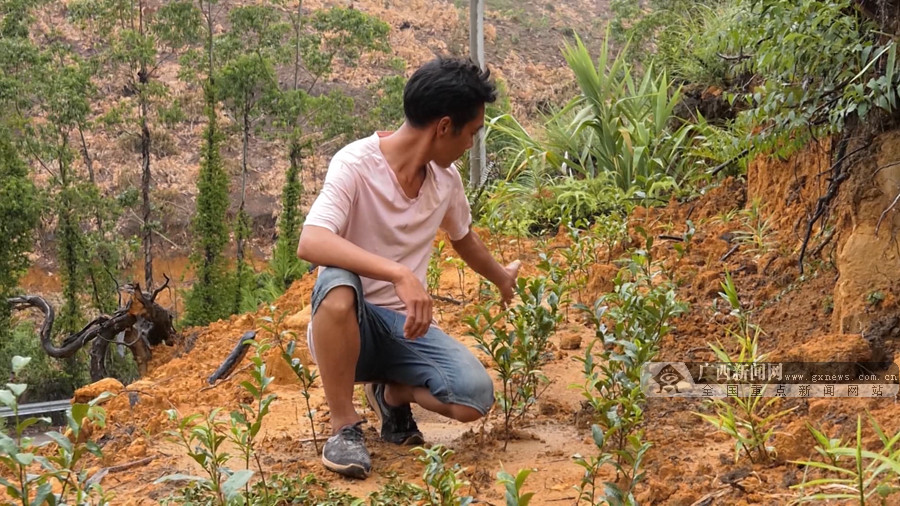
(690, 461)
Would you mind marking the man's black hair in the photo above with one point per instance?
(453, 87)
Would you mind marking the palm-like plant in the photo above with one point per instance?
(629, 121)
(618, 127)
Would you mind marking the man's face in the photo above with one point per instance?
(450, 144)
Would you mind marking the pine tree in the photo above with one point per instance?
(306, 119)
(19, 209)
(61, 83)
(247, 79)
(286, 266)
(206, 301)
(19, 212)
(139, 38)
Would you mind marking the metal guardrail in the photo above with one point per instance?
(37, 408)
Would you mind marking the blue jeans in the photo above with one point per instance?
(435, 361)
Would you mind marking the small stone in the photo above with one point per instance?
(570, 342)
(137, 449)
(90, 392)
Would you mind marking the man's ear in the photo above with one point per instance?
(444, 126)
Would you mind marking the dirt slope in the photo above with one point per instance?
(690, 461)
(829, 314)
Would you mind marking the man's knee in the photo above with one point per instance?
(474, 394)
(464, 413)
(339, 304)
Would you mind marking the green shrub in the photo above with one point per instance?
(21, 455)
(819, 64)
(534, 205)
(516, 339)
(629, 323)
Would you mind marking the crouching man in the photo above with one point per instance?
(371, 230)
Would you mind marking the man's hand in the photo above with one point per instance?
(418, 304)
(477, 256)
(508, 285)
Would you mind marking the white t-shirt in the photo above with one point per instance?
(363, 202)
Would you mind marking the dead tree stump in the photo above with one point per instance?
(141, 323)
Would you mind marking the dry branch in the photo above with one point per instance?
(444, 298)
(130, 465)
(838, 175)
(99, 475)
(143, 322)
(884, 213)
(730, 252)
(236, 355)
(726, 163)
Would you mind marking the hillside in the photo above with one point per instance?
(721, 195)
(523, 41)
(797, 324)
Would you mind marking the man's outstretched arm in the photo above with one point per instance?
(323, 247)
(477, 256)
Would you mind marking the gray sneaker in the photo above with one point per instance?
(345, 453)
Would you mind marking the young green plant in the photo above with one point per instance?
(579, 256)
(285, 339)
(513, 485)
(433, 276)
(204, 444)
(246, 421)
(756, 231)
(460, 265)
(491, 333)
(629, 323)
(443, 483)
(852, 472)
(64, 466)
(611, 229)
(205, 441)
(747, 418)
(555, 281)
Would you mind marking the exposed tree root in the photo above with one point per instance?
(142, 323)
